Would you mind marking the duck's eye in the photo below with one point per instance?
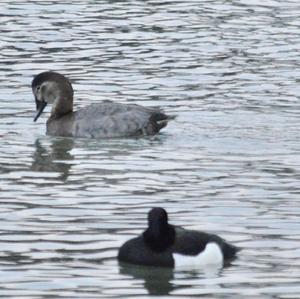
(38, 88)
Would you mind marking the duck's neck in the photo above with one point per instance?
(159, 238)
(61, 106)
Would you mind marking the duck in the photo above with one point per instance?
(166, 245)
(107, 119)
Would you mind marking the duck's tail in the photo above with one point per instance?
(157, 121)
(230, 251)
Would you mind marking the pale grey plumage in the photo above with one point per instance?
(107, 119)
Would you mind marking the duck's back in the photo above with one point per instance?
(192, 242)
(109, 119)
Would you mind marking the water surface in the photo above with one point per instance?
(229, 164)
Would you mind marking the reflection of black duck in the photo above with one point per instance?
(102, 120)
(165, 245)
(156, 280)
(48, 159)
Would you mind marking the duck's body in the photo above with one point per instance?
(103, 120)
(165, 245)
(107, 120)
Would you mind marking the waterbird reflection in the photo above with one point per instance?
(157, 281)
(51, 158)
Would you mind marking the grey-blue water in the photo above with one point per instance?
(229, 164)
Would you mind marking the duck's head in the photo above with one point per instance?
(157, 218)
(52, 88)
(159, 235)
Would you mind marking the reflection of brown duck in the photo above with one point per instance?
(107, 119)
(165, 245)
(48, 159)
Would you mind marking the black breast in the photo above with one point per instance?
(136, 251)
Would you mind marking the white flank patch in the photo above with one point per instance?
(211, 255)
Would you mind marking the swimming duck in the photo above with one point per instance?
(102, 120)
(165, 245)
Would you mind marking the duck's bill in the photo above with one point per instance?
(41, 108)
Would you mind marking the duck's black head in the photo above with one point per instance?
(53, 88)
(159, 235)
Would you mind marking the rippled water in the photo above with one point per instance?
(229, 163)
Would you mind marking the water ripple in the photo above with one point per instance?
(228, 164)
